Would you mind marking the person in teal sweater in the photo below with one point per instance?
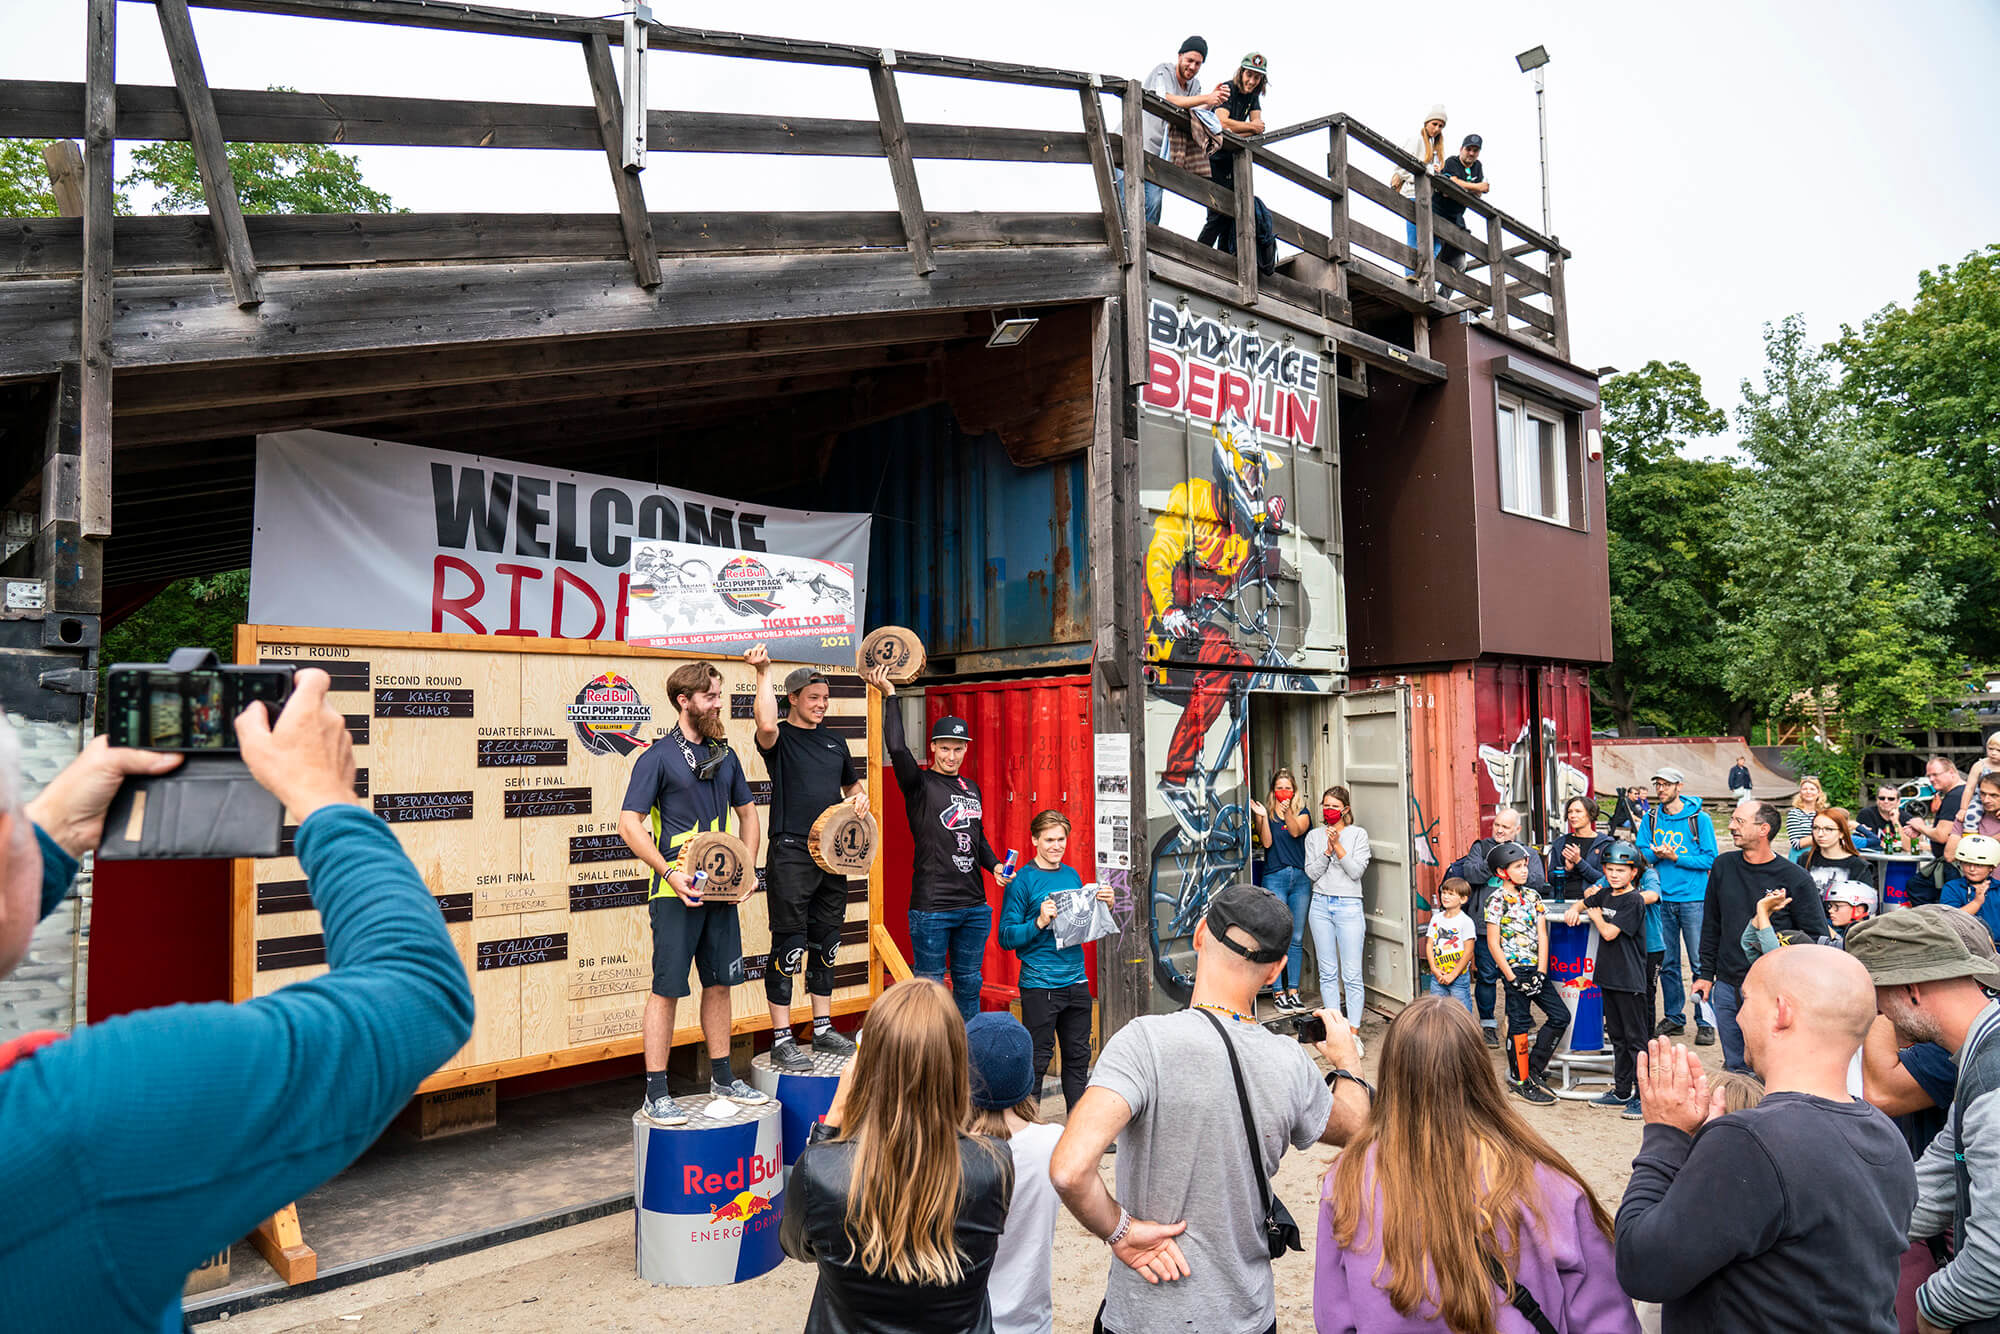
(133, 1149)
(1055, 989)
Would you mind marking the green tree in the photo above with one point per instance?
(270, 178)
(25, 191)
(1926, 380)
(200, 612)
(1663, 512)
(1825, 590)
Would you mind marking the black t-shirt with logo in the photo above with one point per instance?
(947, 827)
(677, 805)
(809, 766)
(1455, 169)
(1621, 963)
(1222, 165)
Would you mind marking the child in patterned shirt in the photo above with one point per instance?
(1517, 935)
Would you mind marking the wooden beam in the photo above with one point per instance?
(890, 956)
(453, 17)
(185, 319)
(1336, 237)
(46, 109)
(632, 214)
(1245, 212)
(49, 247)
(902, 169)
(211, 155)
(280, 1242)
(159, 391)
(1426, 267)
(1496, 270)
(1559, 304)
(95, 327)
(65, 163)
(1100, 170)
(1132, 126)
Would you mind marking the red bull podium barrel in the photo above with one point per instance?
(803, 1096)
(708, 1196)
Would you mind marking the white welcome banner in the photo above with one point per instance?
(369, 535)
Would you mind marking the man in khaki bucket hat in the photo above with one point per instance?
(1934, 988)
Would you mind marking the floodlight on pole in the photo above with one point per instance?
(632, 156)
(1535, 58)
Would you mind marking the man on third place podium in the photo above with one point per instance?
(811, 769)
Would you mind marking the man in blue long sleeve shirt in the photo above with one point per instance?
(1678, 840)
(132, 1149)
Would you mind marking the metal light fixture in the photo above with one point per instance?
(1012, 333)
(1533, 60)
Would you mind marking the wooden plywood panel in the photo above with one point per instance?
(501, 766)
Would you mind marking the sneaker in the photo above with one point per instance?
(1281, 1000)
(736, 1091)
(1633, 1112)
(787, 1056)
(833, 1043)
(663, 1111)
(1704, 1036)
(1609, 1100)
(1532, 1091)
(1492, 1035)
(1669, 1028)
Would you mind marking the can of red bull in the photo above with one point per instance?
(708, 1196)
(1007, 867)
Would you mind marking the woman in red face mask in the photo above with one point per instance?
(1336, 855)
(1281, 829)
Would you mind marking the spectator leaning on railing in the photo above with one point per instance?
(133, 1149)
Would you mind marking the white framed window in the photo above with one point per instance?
(1534, 461)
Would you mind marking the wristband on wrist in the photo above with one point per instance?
(1124, 1226)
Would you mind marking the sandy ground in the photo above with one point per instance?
(583, 1278)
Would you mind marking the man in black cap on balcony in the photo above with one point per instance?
(1187, 1222)
(811, 769)
(950, 916)
(1467, 173)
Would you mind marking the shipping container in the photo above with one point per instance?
(983, 559)
(1031, 751)
(1484, 734)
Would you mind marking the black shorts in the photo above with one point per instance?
(706, 935)
(801, 897)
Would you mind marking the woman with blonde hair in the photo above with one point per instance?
(1810, 801)
(901, 1209)
(1448, 1212)
(1427, 147)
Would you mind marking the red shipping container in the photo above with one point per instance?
(1031, 751)
(1484, 734)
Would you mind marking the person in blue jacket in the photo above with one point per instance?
(1678, 840)
(133, 1149)
(1055, 988)
(1978, 854)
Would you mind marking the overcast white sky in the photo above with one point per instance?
(1715, 165)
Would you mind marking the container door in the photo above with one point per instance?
(1372, 736)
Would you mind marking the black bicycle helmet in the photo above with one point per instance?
(1505, 855)
(1623, 854)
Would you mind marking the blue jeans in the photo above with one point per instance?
(1459, 989)
(1410, 230)
(1340, 929)
(1681, 922)
(1728, 1000)
(1156, 197)
(953, 941)
(1488, 973)
(1290, 884)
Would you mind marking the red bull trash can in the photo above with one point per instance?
(708, 1196)
(802, 1097)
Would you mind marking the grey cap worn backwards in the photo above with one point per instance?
(800, 677)
(1261, 915)
(1900, 948)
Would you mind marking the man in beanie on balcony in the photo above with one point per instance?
(1177, 83)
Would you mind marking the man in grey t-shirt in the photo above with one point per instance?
(1176, 83)
(1189, 1233)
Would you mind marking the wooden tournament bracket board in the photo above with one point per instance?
(501, 764)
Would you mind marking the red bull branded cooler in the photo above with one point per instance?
(708, 1196)
(1573, 967)
(803, 1098)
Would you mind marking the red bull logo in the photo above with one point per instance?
(745, 1205)
(748, 1172)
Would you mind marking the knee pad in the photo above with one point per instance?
(786, 958)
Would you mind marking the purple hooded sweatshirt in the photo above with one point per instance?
(1569, 1267)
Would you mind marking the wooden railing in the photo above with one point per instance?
(1344, 255)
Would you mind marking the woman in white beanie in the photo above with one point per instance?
(1428, 148)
